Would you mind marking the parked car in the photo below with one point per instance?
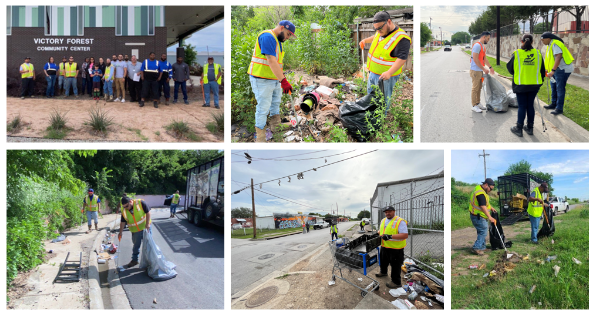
(447, 48)
(467, 45)
(558, 204)
(320, 225)
(236, 226)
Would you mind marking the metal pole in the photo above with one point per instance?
(498, 36)
(254, 214)
(411, 219)
(484, 155)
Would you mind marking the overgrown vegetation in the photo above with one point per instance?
(181, 130)
(15, 124)
(99, 120)
(57, 128)
(217, 125)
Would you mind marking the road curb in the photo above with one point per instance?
(118, 296)
(95, 299)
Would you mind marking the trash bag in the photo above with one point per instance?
(167, 202)
(548, 224)
(495, 241)
(353, 116)
(512, 99)
(157, 266)
(495, 95)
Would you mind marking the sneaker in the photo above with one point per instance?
(478, 252)
(556, 112)
(185, 102)
(105, 97)
(32, 96)
(155, 104)
(117, 99)
(132, 263)
(123, 100)
(551, 106)
(481, 106)
(141, 103)
(380, 274)
(216, 107)
(175, 101)
(167, 102)
(22, 97)
(206, 105)
(476, 109)
(392, 285)
(111, 98)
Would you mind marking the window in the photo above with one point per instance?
(81, 20)
(151, 20)
(48, 20)
(54, 17)
(118, 20)
(8, 20)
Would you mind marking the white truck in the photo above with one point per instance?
(558, 204)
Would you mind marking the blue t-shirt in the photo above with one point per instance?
(268, 44)
(96, 77)
(475, 49)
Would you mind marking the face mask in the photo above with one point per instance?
(281, 38)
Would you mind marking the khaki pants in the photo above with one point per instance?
(119, 91)
(476, 86)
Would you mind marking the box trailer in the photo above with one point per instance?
(204, 201)
(508, 187)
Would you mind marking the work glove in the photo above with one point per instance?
(286, 87)
(362, 44)
(386, 237)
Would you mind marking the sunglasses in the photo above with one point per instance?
(382, 26)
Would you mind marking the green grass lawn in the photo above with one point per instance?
(239, 233)
(432, 50)
(568, 290)
(576, 99)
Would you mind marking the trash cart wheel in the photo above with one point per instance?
(333, 278)
(376, 288)
(363, 293)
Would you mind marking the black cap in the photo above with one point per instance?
(125, 200)
(545, 186)
(381, 16)
(489, 181)
(389, 208)
(485, 33)
(27, 57)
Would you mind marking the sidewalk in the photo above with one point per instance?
(35, 290)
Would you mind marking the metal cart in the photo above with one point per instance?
(334, 245)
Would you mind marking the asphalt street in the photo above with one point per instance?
(446, 104)
(253, 260)
(199, 256)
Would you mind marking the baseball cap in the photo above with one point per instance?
(210, 57)
(389, 208)
(124, 200)
(90, 190)
(489, 181)
(545, 185)
(288, 26)
(381, 16)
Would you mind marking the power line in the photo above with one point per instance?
(236, 153)
(303, 159)
(286, 199)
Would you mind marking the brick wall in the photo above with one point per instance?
(577, 43)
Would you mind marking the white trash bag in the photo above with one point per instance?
(157, 266)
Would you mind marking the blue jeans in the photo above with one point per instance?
(268, 94)
(164, 86)
(525, 101)
(183, 85)
(60, 82)
(534, 224)
(91, 215)
(84, 85)
(558, 88)
(51, 82)
(481, 226)
(71, 81)
(137, 239)
(173, 208)
(212, 87)
(108, 89)
(373, 80)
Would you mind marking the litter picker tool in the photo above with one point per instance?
(501, 238)
(203, 90)
(363, 63)
(545, 216)
(118, 268)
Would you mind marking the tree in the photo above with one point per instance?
(447, 42)
(363, 214)
(577, 12)
(425, 34)
(241, 212)
(460, 37)
(190, 55)
(524, 166)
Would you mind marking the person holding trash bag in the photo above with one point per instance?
(362, 223)
(91, 206)
(137, 215)
(394, 233)
(480, 208)
(478, 64)
(535, 207)
(559, 65)
(527, 67)
(174, 204)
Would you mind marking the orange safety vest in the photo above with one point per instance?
(481, 55)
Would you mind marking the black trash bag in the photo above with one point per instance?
(167, 202)
(495, 241)
(495, 95)
(548, 224)
(354, 115)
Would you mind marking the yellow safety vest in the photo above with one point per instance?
(474, 208)
(259, 65)
(61, 66)
(549, 60)
(216, 67)
(379, 54)
(71, 70)
(535, 207)
(91, 205)
(175, 199)
(527, 65)
(363, 223)
(333, 228)
(136, 219)
(29, 69)
(391, 229)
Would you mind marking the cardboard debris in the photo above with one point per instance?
(325, 92)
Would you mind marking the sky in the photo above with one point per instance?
(570, 168)
(350, 183)
(451, 19)
(212, 36)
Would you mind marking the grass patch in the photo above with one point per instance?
(181, 130)
(99, 120)
(261, 233)
(217, 125)
(157, 133)
(139, 134)
(568, 290)
(57, 128)
(281, 277)
(15, 124)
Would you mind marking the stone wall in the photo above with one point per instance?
(578, 45)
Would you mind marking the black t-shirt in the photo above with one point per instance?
(481, 200)
(143, 206)
(402, 49)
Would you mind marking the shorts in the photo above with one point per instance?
(97, 85)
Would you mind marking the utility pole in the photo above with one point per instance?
(499, 36)
(254, 214)
(441, 30)
(484, 155)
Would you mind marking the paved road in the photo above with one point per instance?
(445, 105)
(199, 256)
(253, 260)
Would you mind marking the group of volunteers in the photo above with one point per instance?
(111, 78)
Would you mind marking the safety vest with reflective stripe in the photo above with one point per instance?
(549, 60)
(29, 69)
(136, 218)
(535, 207)
(91, 205)
(481, 55)
(156, 70)
(71, 70)
(216, 68)
(333, 228)
(363, 223)
(61, 67)
(379, 53)
(526, 65)
(175, 199)
(474, 208)
(391, 229)
(259, 65)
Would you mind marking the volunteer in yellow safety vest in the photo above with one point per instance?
(333, 230)
(27, 78)
(211, 80)
(174, 204)
(362, 223)
(394, 233)
(266, 75)
(91, 206)
(535, 207)
(61, 74)
(71, 72)
(137, 215)
(527, 67)
(480, 209)
(388, 52)
(559, 66)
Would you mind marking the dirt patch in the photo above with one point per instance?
(463, 239)
(131, 123)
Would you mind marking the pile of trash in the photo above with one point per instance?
(423, 289)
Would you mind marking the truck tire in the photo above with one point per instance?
(198, 218)
(210, 212)
(556, 210)
(190, 214)
(567, 209)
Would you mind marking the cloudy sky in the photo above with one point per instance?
(212, 36)
(350, 183)
(570, 169)
(451, 19)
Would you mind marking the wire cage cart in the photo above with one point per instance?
(358, 260)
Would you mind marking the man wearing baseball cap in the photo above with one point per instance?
(394, 233)
(91, 204)
(27, 78)
(388, 52)
(211, 80)
(480, 208)
(535, 207)
(266, 75)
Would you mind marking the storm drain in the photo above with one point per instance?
(301, 247)
(261, 296)
(264, 258)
